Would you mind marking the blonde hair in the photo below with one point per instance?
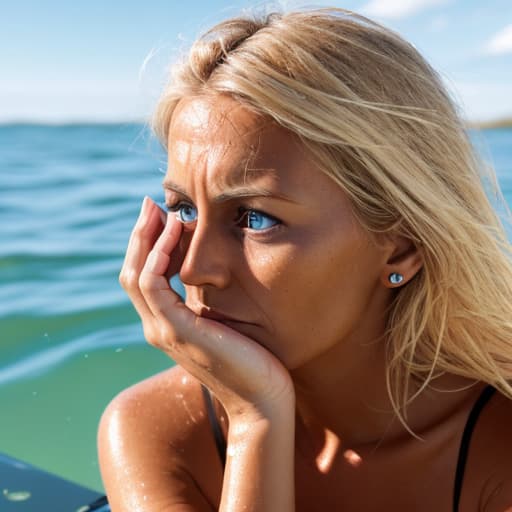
(380, 123)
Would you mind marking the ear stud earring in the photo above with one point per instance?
(395, 278)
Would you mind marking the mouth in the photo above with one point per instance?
(250, 329)
(220, 317)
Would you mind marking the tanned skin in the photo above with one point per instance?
(284, 321)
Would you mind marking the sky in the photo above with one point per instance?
(104, 61)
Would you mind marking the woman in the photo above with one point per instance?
(348, 286)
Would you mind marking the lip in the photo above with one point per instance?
(219, 317)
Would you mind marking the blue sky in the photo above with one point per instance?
(105, 61)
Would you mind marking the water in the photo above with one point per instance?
(70, 339)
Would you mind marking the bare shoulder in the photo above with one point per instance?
(488, 479)
(155, 443)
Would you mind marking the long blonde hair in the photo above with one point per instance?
(380, 123)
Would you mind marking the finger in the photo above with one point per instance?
(153, 276)
(211, 351)
(145, 232)
(206, 343)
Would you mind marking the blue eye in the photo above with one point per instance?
(185, 212)
(258, 221)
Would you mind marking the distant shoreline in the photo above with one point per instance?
(495, 123)
(505, 122)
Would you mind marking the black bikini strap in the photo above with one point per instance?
(100, 505)
(464, 444)
(220, 441)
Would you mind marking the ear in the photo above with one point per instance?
(403, 263)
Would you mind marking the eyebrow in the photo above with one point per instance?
(236, 192)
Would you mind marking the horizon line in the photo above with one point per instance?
(505, 119)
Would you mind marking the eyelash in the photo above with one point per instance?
(243, 214)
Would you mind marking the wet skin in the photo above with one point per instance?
(285, 313)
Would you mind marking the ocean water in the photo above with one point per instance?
(69, 338)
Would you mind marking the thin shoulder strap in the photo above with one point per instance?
(220, 441)
(465, 442)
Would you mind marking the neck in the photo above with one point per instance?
(351, 401)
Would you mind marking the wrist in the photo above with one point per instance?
(260, 420)
(275, 410)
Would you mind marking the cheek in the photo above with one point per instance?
(271, 266)
(314, 295)
(306, 269)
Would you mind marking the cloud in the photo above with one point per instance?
(481, 100)
(396, 9)
(501, 42)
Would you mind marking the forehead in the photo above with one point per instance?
(219, 137)
(220, 126)
(203, 116)
(218, 148)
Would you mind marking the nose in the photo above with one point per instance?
(206, 260)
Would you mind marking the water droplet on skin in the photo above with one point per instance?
(184, 379)
(240, 430)
(353, 458)
(265, 259)
(16, 495)
(179, 395)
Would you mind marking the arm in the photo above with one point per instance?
(254, 388)
(156, 450)
(155, 441)
(259, 470)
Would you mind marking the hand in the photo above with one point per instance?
(246, 378)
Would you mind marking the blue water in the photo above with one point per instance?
(70, 340)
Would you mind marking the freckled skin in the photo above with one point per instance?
(319, 267)
(307, 298)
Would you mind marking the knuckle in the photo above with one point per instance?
(161, 336)
(167, 334)
(128, 279)
(146, 282)
(150, 335)
(138, 232)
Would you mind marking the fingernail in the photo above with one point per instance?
(171, 223)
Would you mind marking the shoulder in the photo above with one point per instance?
(488, 480)
(158, 432)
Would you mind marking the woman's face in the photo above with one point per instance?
(270, 246)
